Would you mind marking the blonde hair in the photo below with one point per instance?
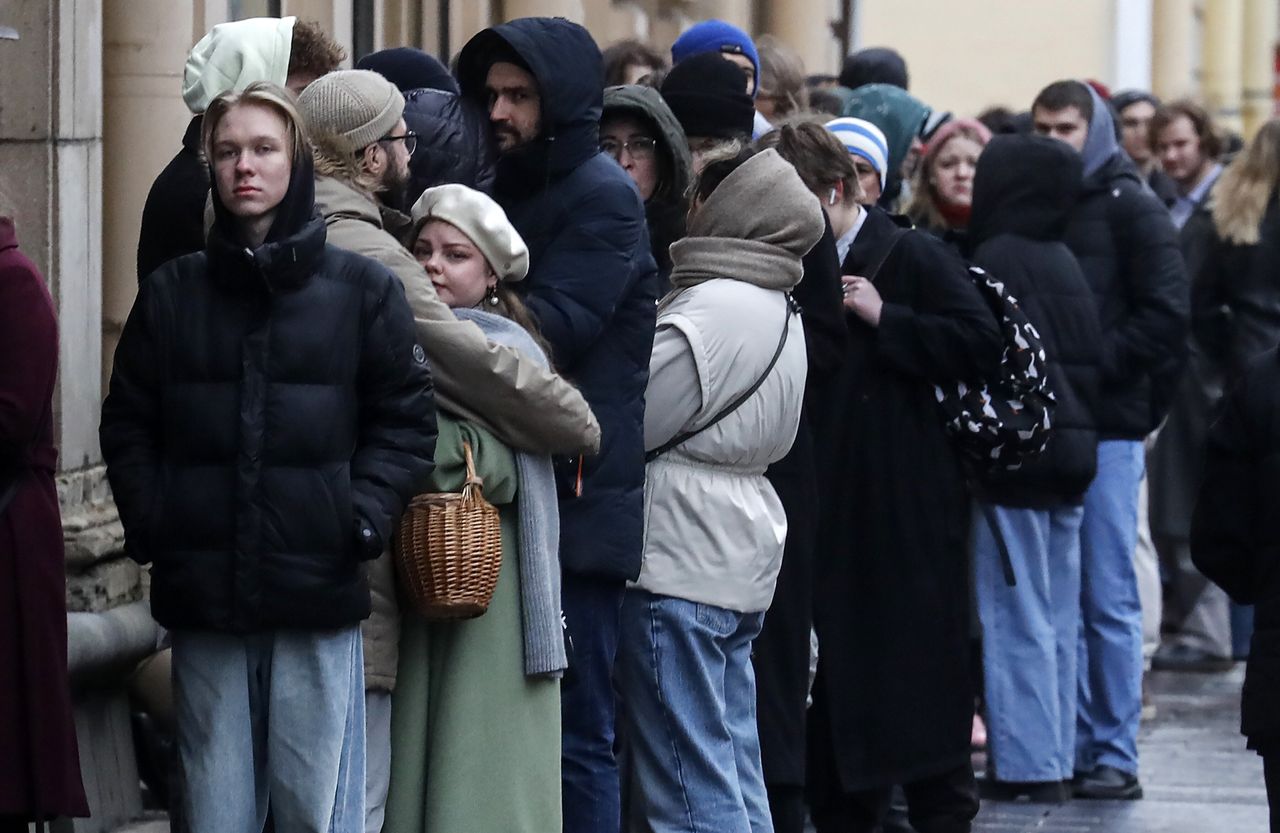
(1241, 194)
(782, 75)
(263, 94)
(342, 164)
(923, 209)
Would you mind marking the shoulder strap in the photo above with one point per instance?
(790, 308)
(898, 233)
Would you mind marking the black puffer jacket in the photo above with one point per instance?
(1235, 531)
(1126, 244)
(454, 142)
(1023, 192)
(592, 282)
(269, 415)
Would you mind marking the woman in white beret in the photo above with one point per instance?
(476, 709)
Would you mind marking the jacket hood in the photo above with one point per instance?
(454, 142)
(897, 113)
(294, 242)
(409, 69)
(567, 65)
(1024, 185)
(648, 103)
(234, 55)
(1101, 144)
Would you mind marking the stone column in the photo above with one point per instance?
(805, 26)
(572, 9)
(337, 17)
(610, 21)
(737, 12)
(1223, 67)
(1173, 39)
(1258, 55)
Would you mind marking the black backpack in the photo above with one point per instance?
(1007, 420)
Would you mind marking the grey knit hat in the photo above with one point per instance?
(351, 108)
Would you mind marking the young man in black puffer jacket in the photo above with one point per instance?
(1024, 191)
(269, 415)
(1128, 250)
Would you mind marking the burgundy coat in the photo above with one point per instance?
(36, 730)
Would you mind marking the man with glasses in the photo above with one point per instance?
(592, 285)
(362, 150)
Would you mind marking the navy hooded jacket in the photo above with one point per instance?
(592, 282)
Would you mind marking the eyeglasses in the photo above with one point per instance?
(641, 147)
(410, 141)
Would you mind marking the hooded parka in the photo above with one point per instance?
(269, 415)
(893, 699)
(664, 211)
(592, 283)
(1023, 193)
(1127, 247)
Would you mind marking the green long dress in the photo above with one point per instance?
(475, 744)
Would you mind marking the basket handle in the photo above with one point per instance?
(473, 481)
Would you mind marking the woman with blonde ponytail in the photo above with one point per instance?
(1235, 296)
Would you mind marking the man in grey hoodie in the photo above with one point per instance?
(1127, 248)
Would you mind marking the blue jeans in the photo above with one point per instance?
(276, 715)
(589, 770)
(1110, 672)
(1030, 635)
(689, 702)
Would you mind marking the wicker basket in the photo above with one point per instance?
(449, 550)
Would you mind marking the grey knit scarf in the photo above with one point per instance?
(539, 554)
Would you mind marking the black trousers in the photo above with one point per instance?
(944, 803)
(786, 806)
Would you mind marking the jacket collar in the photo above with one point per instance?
(277, 266)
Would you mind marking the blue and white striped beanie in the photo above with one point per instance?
(864, 139)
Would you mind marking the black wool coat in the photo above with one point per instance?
(1024, 191)
(1235, 316)
(173, 215)
(592, 283)
(1235, 531)
(891, 604)
(269, 416)
(781, 651)
(1127, 247)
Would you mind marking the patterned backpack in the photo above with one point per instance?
(1007, 420)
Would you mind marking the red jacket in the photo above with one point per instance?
(37, 735)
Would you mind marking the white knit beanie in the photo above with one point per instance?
(864, 139)
(234, 55)
(480, 218)
(350, 109)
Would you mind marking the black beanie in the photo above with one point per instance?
(708, 95)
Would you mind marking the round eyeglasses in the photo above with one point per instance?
(410, 141)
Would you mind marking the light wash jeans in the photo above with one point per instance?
(276, 715)
(1110, 670)
(377, 713)
(1030, 635)
(687, 692)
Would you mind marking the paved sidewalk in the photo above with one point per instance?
(1196, 773)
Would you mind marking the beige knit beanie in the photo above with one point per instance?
(350, 109)
(480, 218)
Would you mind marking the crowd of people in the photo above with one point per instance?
(818, 421)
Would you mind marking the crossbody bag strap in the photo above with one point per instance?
(790, 309)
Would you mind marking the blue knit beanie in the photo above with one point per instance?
(717, 36)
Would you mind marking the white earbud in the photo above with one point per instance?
(831, 200)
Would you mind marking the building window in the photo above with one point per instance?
(240, 9)
(362, 26)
